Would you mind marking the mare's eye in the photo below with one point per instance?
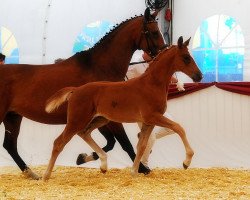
(186, 59)
(155, 34)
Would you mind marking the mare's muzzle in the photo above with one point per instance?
(154, 52)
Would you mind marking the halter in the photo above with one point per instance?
(148, 37)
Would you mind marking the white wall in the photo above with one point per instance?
(216, 122)
(26, 19)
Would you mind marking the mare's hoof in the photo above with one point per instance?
(81, 158)
(28, 173)
(144, 169)
(185, 166)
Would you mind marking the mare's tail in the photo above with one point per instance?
(58, 99)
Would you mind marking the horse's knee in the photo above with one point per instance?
(180, 131)
(8, 142)
(110, 143)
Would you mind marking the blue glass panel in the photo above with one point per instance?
(206, 60)
(218, 47)
(8, 46)
(90, 35)
(230, 64)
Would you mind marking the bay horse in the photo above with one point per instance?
(24, 88)
(141, 99)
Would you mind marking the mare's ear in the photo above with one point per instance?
(186, 43)
(180, 42)
(155, 14)
(147, 14)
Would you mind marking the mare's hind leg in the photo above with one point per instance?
(12, 123)
(162, 121)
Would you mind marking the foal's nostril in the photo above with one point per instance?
(197, 77)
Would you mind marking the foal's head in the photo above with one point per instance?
(151, 39)
(184, 61)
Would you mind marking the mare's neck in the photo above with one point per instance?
(111, 57)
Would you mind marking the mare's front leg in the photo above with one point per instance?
(160, 120)
(141, 146)
(12, 123)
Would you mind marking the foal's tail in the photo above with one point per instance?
(58, 99)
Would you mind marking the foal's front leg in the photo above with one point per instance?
(141, 146)
(160, 120)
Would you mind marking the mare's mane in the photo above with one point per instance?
(85, 57)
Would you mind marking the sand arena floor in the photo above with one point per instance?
(85, 183)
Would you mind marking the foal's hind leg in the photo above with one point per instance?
(86, 135)
(12, 123)
(105, 131)
(58, 146)
(162, 121)
(112, 131)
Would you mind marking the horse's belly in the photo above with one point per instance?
(121, 114)
(38, 114)
(47, 119)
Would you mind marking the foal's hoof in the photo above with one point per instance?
(28, 173)
(144, 169)
(103, 170)
(45, 178)
(185, 166)
(81, 158)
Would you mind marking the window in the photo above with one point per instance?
(8, 46)
(218, 49)
(91, 34)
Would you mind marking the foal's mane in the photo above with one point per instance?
(84, 57)
(162, 51)
(159, 55)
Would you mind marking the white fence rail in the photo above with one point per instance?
(217, 124)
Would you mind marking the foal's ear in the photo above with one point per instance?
(180, 42)
(147, 14)
(186, 43)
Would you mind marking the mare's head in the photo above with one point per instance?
(151, 40)
(184, 62)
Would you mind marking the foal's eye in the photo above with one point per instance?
(186, 59)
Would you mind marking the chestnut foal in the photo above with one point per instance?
(142, 99)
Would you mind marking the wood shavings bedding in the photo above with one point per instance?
(86, 183)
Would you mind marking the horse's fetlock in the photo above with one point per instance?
(103, 156)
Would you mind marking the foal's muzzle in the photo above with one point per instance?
(197, 77)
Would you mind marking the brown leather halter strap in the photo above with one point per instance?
(148, 36)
